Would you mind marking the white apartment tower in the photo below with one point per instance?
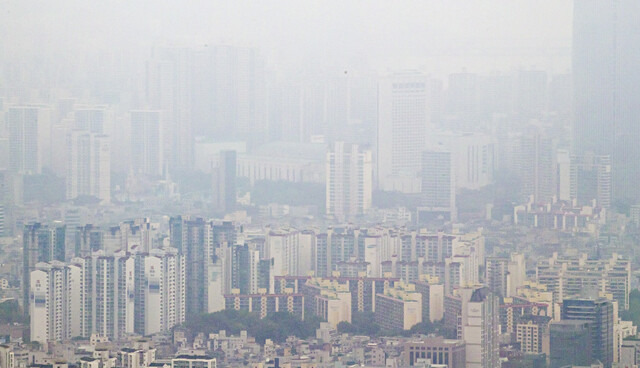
(56, 291)
(283, 246)
(403, 120)
(110, 293)
(479, 324)
(160, 291)
(89, 165)
(146, 142)
(349, 181)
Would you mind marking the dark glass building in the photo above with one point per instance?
(599, 315)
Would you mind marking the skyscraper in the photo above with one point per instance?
(146, 142)
(169, 89)
(41, 243)
(89, 166)
(27, 139)
(403, 119)
(349, 181)
(535, 164)
(607, 88)
(224, 182)
(438, 184)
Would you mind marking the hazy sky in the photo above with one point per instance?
(439, 35)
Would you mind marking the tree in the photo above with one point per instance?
(276, 326)
(10, 312)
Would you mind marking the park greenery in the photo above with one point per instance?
(364, 323)
(276, 326)
(633, 314)
(10, 312)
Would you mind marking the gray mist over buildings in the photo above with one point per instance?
(256, 183)
(444, 36)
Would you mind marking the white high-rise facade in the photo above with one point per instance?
(479, 325)
(56, 290)
(349, 181)
(89, 165)
(403, 120)
(109, 295)
(160, 291)
(473, 155)
(283, 246)
(110, 291)
(146, 142)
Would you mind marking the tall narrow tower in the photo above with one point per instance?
(607, 89)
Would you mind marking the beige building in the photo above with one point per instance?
(327, 299)
(398, 307)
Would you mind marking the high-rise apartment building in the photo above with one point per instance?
(41, 243)
(241, 269)
(503, 275)
(56, 307)
(606, 89)
(11, 185)
(111, 295)
(228, 98)
(28, 129)
(432, 291)
(438, 185)
(479, 324)
(160, 291)
(403, 120)
(568, 277)
(169, 88)
(89, 165)
(189, 236)
(224, 182)
(590, 178)
(285, 248)
(109, 290)
(349, 181)
(88, 239)
(473, 157)
(536, 166)
(146, 142)
(203, 245)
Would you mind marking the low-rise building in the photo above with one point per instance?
(450, 353)
(193, 361)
